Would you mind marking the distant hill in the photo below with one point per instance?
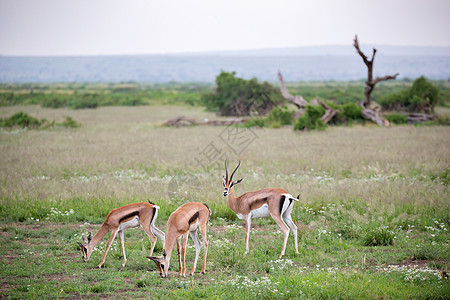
(297, 64)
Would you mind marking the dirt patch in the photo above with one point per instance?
(59, 277)
(423, 263)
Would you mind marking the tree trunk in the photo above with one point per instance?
(369, 113)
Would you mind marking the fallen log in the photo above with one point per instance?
(187, 121)
(419, 118)
(373, 115)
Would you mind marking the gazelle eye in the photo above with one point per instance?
(85, 250)
(162, 266)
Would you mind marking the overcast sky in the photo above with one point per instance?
(92, 27)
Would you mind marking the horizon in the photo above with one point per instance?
(365, 47)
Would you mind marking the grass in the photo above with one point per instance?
(357, 185)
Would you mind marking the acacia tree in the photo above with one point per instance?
(236, 96)
(368, 112)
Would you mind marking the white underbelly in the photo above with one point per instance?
(129, 224)
(194, 226)
(262, 212)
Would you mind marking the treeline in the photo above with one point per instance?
(92, 95)
(78, 96)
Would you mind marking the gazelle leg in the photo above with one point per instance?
(111, 239)
(122, 243)
(206, 242)
(285, 230)
(179, 254)
(183, 253)
(198, 246)
(159, 233)
(152, 238)
(248, 225)
(292, 226)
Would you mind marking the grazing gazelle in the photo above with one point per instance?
(129, 216)
(188, 218)
(275, 203)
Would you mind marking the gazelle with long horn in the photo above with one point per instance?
(187, 219)
(119, 219)
(275, 203)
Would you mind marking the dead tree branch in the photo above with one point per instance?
(301, 103)
(370, 83)
(297, 100)
(329, 112)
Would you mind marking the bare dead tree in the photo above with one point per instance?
(297, 100)
(370, 83)
(301, 103)
(367, 112)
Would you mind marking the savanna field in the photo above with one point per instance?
(372, 216)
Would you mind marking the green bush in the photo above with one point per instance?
(85, 101)
(69, 123)
(23, 120)
(281, 115)
(422, 96)
(132, 102)
(377, 235)
(396, 118)
(258, 122)
(351, 111)
(311, 120)
(235, 96)
(53, 102)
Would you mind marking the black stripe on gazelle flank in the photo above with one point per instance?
(282, 203)
(193, 218)
(134, 213)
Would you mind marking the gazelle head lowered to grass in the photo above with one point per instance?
(140, 214)
(162, 263)
(86, 248)
(229, 184)
(185, 221)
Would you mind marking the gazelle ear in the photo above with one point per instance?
(80, 244)
(155, 259)
(89, 238)
(237, 181)
(224, 181)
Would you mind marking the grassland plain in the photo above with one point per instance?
(372, 211)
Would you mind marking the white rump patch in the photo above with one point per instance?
(286, 202)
